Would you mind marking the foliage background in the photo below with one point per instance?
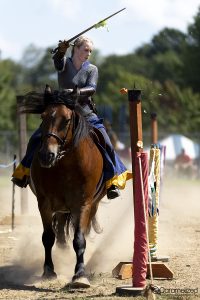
(166, 70)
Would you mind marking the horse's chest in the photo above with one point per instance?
(66, 192)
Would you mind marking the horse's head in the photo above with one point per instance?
(56, 130)
(63, 125)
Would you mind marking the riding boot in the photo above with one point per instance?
(21, 176)
(21, 182)
(113, 192)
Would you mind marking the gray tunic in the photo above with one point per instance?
(69, 77)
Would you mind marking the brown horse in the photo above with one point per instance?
(66, 177)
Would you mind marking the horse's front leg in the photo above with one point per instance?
(79, 243)
(48, 239)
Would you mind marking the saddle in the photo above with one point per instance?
(98, 138)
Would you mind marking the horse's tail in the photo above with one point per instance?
(95, 225)
(68, 224)
(61, 226)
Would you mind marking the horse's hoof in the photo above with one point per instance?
(81, 282)
(49, 275)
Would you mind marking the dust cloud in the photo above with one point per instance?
(103, 252)
(179, 212)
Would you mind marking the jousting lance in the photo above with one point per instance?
(96, 25)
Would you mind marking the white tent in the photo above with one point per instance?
(174, 143)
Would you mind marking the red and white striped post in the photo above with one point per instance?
(140, 197)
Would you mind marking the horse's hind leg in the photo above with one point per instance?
(48, 239)
(79, 244)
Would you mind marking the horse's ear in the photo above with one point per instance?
(47, 89)
(47, 95)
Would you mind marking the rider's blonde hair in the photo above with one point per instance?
(79, 42)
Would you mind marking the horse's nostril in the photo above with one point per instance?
(46, 158)
(51, 156)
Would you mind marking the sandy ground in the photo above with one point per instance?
(22, 252)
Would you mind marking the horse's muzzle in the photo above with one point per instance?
(47, 159)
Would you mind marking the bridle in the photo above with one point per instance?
(62, 141)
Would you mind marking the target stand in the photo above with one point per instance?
(125, 270)
(140, 268)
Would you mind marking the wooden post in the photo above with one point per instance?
(22, 151)
(135, 114)
(154, 128)
(134, 97)
(13, 197)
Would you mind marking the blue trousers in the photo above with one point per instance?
(112, 163)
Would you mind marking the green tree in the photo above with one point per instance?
(178, 109)
(168, 39)
(38, 68)
(9, 81)
(191, 58)
(164, 55)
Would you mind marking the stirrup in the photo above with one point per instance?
(113, 192)
(22, 183)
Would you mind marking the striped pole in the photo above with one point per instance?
(156, 166)
(154, 181)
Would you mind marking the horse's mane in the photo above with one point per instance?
(36, 103)
(82, 129)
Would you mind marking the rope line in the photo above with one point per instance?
(8, 165)
(152, 190)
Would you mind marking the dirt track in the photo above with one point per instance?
(22, 253)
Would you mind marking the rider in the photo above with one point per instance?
(77, 72)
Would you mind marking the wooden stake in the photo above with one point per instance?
(135, 119)
(154, 128)
(13, 197)
(22, 151)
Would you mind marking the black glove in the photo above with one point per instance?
(63, 46)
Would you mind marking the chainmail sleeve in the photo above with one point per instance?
(92, 77)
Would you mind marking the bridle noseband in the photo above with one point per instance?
(62, 142)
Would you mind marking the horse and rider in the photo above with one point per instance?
(77, 73)
(70, 162)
